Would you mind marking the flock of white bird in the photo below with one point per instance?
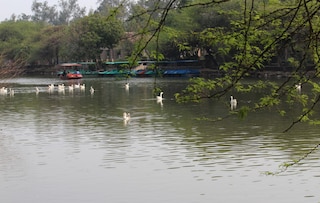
(62, 88)
(126, 115)
(234, 103)
(5, 91)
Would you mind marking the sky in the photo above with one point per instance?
(17, 7)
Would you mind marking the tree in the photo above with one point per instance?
(254, 34)
(70, 10)
(47, 44)
(10, 68)
(16, 39)
(118, 8)
(43, 12)
(64, 13)
(87, 36)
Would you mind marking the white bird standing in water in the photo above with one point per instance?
(77, 85)
(37, 90)
(4, 90)
(51, 87)
(233, 103)
(160, 97)
(126, 86)
(126, 117)
(71, 88)
(61, 87)
(11, 92)
(298, 87)
(91, 90)
(83, 87)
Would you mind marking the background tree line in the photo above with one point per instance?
(189, 29)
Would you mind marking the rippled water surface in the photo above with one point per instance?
(63, 147)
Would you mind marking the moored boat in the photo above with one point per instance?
(68, 74)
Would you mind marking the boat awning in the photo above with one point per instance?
(152, 62)
(70, 65)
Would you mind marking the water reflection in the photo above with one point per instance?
(75, 147)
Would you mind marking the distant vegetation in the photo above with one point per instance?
(176, 29)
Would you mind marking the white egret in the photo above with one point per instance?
(233, 103)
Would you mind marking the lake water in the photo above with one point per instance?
(75, 147)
